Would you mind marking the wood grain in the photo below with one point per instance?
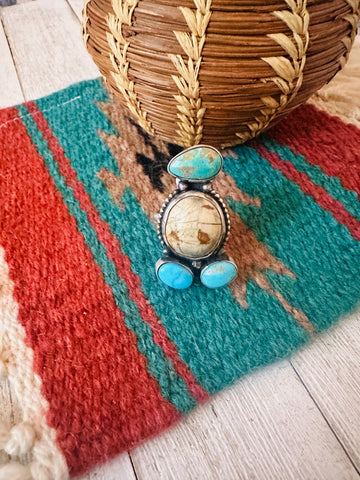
(330, 369)
(45, 40)
(77, 6)
(10, 91)
(266, 426)
(120, 468)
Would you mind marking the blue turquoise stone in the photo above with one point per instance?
(197, 163)
(175, 275)
(218, 274)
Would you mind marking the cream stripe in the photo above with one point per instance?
(32, 433)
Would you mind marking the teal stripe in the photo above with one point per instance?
(215, 336)
(332, 185)
(318, 249)
(172, 386)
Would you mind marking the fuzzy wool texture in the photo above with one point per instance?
(100, 354)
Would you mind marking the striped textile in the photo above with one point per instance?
(101, 355)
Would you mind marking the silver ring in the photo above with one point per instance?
(194, 223)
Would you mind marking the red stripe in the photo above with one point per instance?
(7, 115)
(325, 141)
(100, 401)
(318, 193)
(121, 261)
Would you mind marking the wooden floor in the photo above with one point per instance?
(298, 419)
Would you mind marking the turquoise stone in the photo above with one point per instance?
(175, 275)
(197, 163)
(218, 274)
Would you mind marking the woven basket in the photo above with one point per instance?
(216, 71)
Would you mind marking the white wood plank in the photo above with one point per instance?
(118, 469)
(77, 6)
(330, 368)
(10, 90)
(45, 40)
(266, 427)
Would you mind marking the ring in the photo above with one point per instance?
(194, 223)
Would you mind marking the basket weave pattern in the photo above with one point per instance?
(217, 71)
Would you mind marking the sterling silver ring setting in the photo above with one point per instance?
(194, 224)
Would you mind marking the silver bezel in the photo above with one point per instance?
(176, 197)
(195, 180)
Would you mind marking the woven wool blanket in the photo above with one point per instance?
(99, 353)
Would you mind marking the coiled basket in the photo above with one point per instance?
(216, 71)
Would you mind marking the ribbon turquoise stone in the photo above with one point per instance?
(218, 274)
(198, 163)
